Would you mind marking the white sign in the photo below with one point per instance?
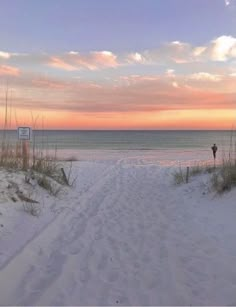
(24, 133)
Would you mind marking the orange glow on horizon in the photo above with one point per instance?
(180, 119)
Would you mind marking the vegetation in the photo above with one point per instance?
(34, 162)
(223, 176)
(183, 175)
(32, 208)
(179, 176)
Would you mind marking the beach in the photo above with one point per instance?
(117, 153)
(124, 234)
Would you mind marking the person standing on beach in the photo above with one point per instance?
(214, 150)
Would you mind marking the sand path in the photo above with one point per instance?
(127, 239)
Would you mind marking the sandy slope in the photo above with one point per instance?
(126, 236)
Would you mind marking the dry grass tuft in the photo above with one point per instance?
(181, 176)
(32, 208)
(225, 178)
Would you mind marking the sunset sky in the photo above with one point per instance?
(125, 64)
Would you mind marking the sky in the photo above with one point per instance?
(127, 64)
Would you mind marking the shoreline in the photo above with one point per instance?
(160, 157)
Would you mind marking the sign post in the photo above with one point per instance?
(24, 135)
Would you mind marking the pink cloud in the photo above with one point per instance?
(9, 70)
(220, 49)
(204, 76)
(136, 58)
(75, 61)
(130, 94)
(49, 83)
(61, 64)
(104, 59)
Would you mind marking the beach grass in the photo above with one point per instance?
(179, 176)
(12, 158)
(224, 179)
(18, 156)
(222, 175)
(183, 175)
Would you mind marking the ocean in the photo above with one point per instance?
(127, 140)
(166, 147)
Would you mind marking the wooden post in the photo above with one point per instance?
(187, 174)
(64, 176)
(25, 154)
(24, 135)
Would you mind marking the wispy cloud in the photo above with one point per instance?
(49, 83)
(6, 70)
(223, 48)
(220, 49)
(136, 57)
(134, 93)
(175, 52)
(175, 84)
(139, 81)
(102, 59)
(204, 76)
(4, 55)
(57, 62)
(170, 73)
(92, 61)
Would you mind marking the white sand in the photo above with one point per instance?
(125, 235)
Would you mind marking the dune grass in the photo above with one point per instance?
(222, 176)
(18, 156)
(182, 175)
(224, 179)
(179, 177)
(12, 159)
